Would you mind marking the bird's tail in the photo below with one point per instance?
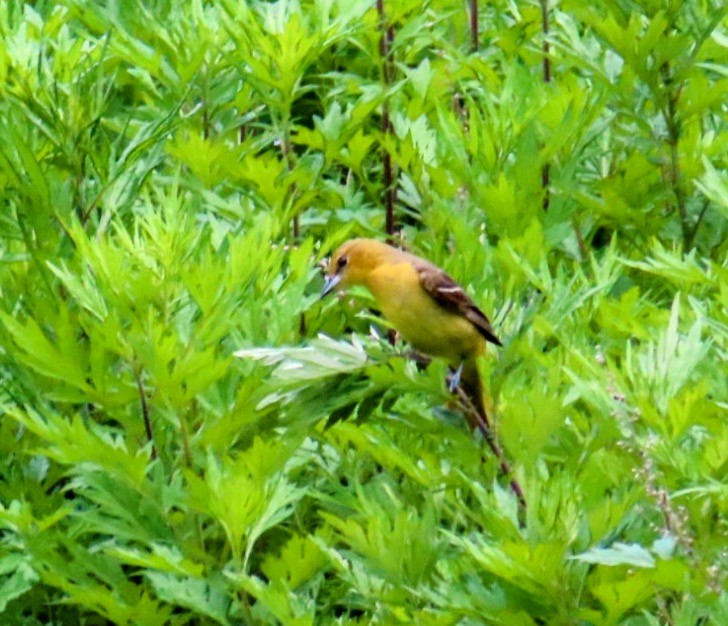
(472, 385)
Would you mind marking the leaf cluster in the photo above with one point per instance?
(170, 176)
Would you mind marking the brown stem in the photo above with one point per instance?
(694, 231)
(545, 168)
(546, 48)
(676, 173)
(205, 123)
(383, 27)
(672, 122)
(545, 182)
(579, 238)
(676, 181)
(481, 421)
(389, 191)
(145, 411)
(185, 440)
(474, 24)
(385, 41)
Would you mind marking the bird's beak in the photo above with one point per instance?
(330, 283)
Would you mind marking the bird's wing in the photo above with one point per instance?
(451, 296)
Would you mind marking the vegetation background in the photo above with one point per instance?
(171, 173)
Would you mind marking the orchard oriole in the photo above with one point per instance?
(429, 309)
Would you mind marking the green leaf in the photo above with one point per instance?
(17, 577)
(619, 554)
(203, 596)
(324, 357)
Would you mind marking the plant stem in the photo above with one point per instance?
(483, 425)
(389, 192)
(474, 24)
(145, 411)
(185, 440)
(546, 48)
(694, 231)
(205, 123)
(673, 140)
(385, 41)
(546, 167)
(287, 154)
(579, 238)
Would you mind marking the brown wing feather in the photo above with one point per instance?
(452, 296)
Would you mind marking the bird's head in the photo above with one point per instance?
(352, 263)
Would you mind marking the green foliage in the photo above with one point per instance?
(189, 436)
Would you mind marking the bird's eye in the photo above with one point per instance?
(341, 262)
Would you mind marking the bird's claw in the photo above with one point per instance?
(453, 379)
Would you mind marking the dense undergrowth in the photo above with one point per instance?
(170, 176)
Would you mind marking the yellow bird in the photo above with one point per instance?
(428, 308)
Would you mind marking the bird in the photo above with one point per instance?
(424, 304)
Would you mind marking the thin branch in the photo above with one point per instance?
(481, 422)
(389, 191)
(287, 153)
(145, 411)
(185, 440)
(546, 167)
(474, 34)
(302, 325)
(673, 139)
(385, 42)
(579, 239)
(205, 123)
(545, 183)
(546, 47)
(694, 232)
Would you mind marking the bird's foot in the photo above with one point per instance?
(453, 379)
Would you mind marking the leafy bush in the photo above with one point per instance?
(171, 174)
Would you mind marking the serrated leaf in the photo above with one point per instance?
(619, 554)
(196, 594)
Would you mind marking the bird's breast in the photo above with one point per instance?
(423, 323)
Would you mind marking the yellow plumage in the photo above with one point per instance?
(430, 310)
